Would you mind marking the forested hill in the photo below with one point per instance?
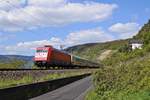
(92, 51)
(144, 33)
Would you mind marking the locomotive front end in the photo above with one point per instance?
(41, 56)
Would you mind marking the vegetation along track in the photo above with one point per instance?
(15, 77)
(14, 73)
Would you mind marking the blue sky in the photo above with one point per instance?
(25, 25)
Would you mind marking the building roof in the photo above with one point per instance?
(136, 41)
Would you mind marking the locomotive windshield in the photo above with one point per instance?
(41, 51)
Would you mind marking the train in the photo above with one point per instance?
(47, 56)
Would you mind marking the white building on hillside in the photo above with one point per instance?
(136, 44)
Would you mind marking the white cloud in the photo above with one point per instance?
(33, 44)
(48, 13)
(47, 3)
(27, 48)
(74, 38)
(5, 4)
(88, 36)
(125, 30)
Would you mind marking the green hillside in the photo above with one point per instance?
(94, 50)
(125, 75)
(144, 33)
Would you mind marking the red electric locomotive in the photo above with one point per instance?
(48, 56)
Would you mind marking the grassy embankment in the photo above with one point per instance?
(126, 74)
(27, 79)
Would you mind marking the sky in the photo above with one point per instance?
(27, 24)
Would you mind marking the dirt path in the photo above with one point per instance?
(105, 54)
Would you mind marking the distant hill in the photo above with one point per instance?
(11, 60)
(93, 51)
(8, 58)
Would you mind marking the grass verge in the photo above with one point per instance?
(5, 83)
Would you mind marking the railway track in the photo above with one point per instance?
(30, 69)
(19, 73)
(67, 69)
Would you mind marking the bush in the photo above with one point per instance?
(124, 48)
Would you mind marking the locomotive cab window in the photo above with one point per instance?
(41, 51)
